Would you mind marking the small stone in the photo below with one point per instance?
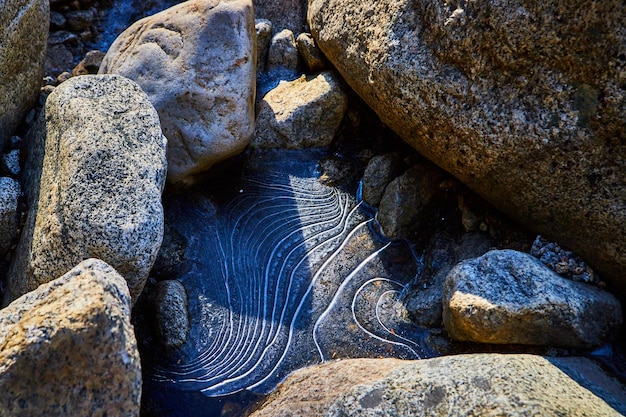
(46, 90)
(9, 194)
(311, 55)
(301, 114)
(507, 297)
(90, 64)
(263, 29)
(64, 76)
(48, 80)
(10, 162)
(169, 299)
(57, 21)
(80, 20)
(380, 171)
(283, 51)
(62, 37)
(407, 203)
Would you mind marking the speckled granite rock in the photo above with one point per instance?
(169, 300)
(522, 101)
(409, 200)
(263, 29)
(24, 33)
(197, 63)
(283, 51)
(380, 171)
(302, 113)
(507, 296)
(9, 193)
(101, 182)
(68, 348)
(481, 384)
(309, 52)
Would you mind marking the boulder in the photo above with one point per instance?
(101, 182)
(24, 33)
(302, 113)
(480, 384)
(522, 101)
(169, 300)
(507, 296)
(197, 63)
(9, 194)
(68, 348)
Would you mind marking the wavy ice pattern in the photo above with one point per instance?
(286, 274)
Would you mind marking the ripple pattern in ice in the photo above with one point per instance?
(285, 274)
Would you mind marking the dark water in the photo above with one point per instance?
(281, 272)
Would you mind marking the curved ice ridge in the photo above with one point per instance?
(288, 275)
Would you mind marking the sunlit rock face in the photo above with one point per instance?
(282, 272)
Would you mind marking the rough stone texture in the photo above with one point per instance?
(10, 162)
(283, 51)
(100, 195)
(476, 385)
(302, 113)
(408, 200)
(284, 14)
(68, 348)
(170, 308)
(197, 63)
(9, 193)
(423, 301)
(24, 33)
(380, 171)
(309, 52)
(263, 29)
(522, 101)
(510, 297)
(90, 64)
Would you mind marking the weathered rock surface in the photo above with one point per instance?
(103, 173)
(522, 101)
(481, 384)
(424, 299)
(283, 51)
(9, 194)
(68, 348)
(170, 304)
(380, 171)
(263, 30)
(309, 52)
(408, 200)
(197, 63)
(302, 113)
(24, 33)
(510, 297)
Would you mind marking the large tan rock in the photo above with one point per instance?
(303, 113)
(69, 349)
(197, 62)
(522, 101)
(508, 297)
(100, 195)
(24, 34)
(478, 385)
